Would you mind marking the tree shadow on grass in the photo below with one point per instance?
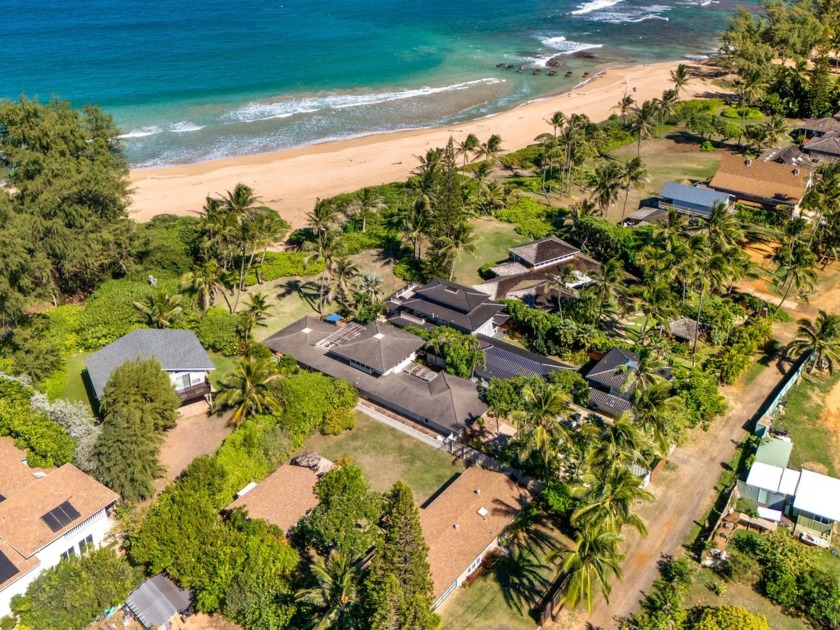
(306, 290)
(521, 578)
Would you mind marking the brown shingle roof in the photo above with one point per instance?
(452, 549)
(21, 525)
(772, 181)
(282, 498)
(544, 249)
(821, 125)
(14, 474)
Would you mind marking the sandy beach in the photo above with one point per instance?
(291, 180)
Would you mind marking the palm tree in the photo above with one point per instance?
(336, 594)
(605, 184)
(322, 217)
(557, 121)
(489, 151)
(469, 145)
(247, 390)
(665, 106)
(722, 228)
(159, 309)
(255, 314)
(795, 269)
(327, 247)
(820, 339)
(644, 373)
(344, 271)
(609, 286)
(619, 444)
(560, 281)
(775, 128)
(625, 105)
(656, 411)
(634, 176)
(205, 284)
(657, 304)
(680, 77)
(607, 495)
(461, 239)
(366, 202)
(412, 224)
(589, 567)
(643, 122)
(540, 429)
(371, 287)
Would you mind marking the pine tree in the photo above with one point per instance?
(139, 402)
(400, 566)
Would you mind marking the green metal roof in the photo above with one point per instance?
(774, 452)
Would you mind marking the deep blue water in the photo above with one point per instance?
(191, 80)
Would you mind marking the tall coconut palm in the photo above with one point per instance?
(607, 496)
(644, 373)
(326, 248)
(466, 147)
(590, 566)
(634, 175)
(795, 269)
(489, 151)
(322, 217)
(559, 281)
(204, 284)
(625, 106)
(680, 77)
(657, 412)
(557, 121)
(619, 444)
(247, 390)
(459, 241)
(722, 227)
(256, 313)
(335, 597)
(159, 309)
(608, 285)
(371, 287)
(365, 203)
(605, 184)
(819, 338)
(344, 271)
(540, 429)
(657, 304)
(643, 122)
(412, 224)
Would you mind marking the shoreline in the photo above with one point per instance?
(290, 180)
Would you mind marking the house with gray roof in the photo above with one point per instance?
(379, 361)
(610, 391)
(692, 200)
(504, 360)
(818, 127)
(824, 149)
(179, 353)
(444, 303)
(545, 252)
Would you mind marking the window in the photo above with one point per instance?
(182, 381)
(67, 554)
(86, 544)
(762, 496)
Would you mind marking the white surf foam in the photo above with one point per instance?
(633, 15)
(184, 126)
(594, 5)
(562, 46)
(142, 132)
(253, 112)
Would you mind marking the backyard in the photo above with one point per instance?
(387, 455)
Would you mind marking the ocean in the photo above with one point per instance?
(194, 80)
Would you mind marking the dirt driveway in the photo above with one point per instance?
(683, 496)
(196, 434)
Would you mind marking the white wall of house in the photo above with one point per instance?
(196, 378)
(96, 527)
(487, 328)
(404, 364)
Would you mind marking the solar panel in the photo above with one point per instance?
(7, 569)
(61, 516)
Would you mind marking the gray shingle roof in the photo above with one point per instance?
(380, 347)
(506, 361)
(684, 328)
(607, 403)
(604, 372)
(451, 295)
(828, 145)
(693, 195)
(157, 600)
(821, 125)
(449, 403)
(543, 250)
(176, 350)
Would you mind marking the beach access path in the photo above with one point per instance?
(291, 180)
(684, 495)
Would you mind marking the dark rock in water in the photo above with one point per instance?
(583, 54)
(500, 65)
(585, 74)
(569, 73)
(521, 69)
(552, 73)
(510, 66)
(536, 71)
(555, 62)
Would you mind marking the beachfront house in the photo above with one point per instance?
(762, 182)
(45, 515)
(179, 353)
(819, 127)
(810, 499)
(695, 201)
(463, 523)
(379, 361)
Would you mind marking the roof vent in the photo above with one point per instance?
(39, 474)
(379, 336)
(456, 526)
(796, 171)
(306, 330)
(477, 491)
(748, 162)
(482, 512)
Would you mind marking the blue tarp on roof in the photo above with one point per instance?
(692, 195)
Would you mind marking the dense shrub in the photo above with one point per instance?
(77, 420)
(410, 269)
(315, 402)
(110, 313)
(764, 217)
(283, 265)
(572, 382)
(73, 593)
(217, 331)
(168, 245)
(63, 328)
(603, 239)
(46, 443)
(530, 216)
(750, 113)
(699, 392)
(733, 359)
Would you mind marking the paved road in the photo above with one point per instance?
(683, 496)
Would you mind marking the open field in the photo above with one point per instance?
(802, 420)
(387, 455)
(493, 238)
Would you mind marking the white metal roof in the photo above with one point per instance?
(765, 476)
(818, 494)
(790, 479)
(770, 515)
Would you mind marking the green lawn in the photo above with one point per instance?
(744, 595)
(803, 408)
(224, 365)
(387, 455)
(504, 597)
(74, 390)
(493, 238)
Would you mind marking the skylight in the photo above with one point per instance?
(379, 336)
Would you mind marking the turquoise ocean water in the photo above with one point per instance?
(192, 80)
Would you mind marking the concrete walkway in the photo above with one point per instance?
(399, 426)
